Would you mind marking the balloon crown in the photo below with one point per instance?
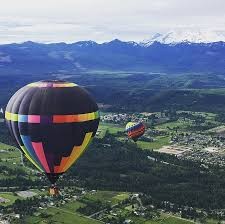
(54, 81)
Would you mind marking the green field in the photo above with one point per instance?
(184, 125)
(163, 219)
(59, 216)
(9, 156)
(111, 128)
(175, 124)
(157, 144)
(4, 146)
(107, 196)
(212, 221)
(171, 219)
(121, 196)
(10, 196)
(68, 213)
(40, 192)
(8, 151)
(73, 206)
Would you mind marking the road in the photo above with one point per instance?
(99, 212)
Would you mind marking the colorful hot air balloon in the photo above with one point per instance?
(53, 122)
(135, 130)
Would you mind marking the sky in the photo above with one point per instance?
(104, 20)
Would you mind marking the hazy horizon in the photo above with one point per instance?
(70, 21)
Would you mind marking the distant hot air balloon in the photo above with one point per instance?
(135, 130)
(53, 122)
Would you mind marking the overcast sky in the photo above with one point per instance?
(104, 20)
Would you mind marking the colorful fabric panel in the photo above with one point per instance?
(55, 119)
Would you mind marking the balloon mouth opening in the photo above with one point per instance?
(53, 177)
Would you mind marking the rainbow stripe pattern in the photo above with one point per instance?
(135, 130)
(53, 122)
(52, 119)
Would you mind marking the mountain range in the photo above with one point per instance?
(187, 36)
(170, 53)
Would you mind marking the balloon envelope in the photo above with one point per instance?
(135, 130)
(53, 122)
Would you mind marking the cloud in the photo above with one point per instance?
(103, 20)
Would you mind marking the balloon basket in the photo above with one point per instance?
(54, 190)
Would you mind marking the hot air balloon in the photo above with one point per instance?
(135, 130)
(53, 122)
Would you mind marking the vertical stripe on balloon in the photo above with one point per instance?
(30, 159)
(66, 162)
(28, 145)
(38, 148)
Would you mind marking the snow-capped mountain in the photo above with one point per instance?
(117, 55)
(191, 35)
